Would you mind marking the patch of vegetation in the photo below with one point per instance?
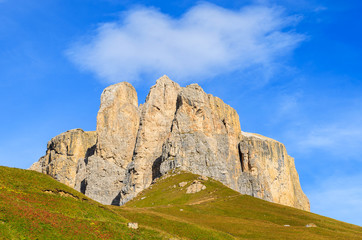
(218, 209)
(35, 206)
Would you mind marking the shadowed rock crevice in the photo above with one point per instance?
(116, 201)
(90, 152)
(156, 171)
(83, 186)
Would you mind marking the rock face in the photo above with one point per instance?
(100, 180)
(177, 127)
(156, 116)
(63, 153)
(117, 124)
(101, 176)
(204, 137)
(268, 172)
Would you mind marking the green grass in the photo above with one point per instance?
(221, 213)
(35, 206)
(31, 207)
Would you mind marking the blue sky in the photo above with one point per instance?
(292, 70)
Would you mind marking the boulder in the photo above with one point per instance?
(182, 184)
(195, 187)
(310, 225)
(203, 178)
(132, 225)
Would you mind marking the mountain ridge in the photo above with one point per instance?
(176, 127)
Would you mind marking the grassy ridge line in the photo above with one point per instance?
(237, 215)
(30, 208)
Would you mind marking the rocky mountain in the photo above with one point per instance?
(176, 128)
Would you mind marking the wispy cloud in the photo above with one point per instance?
(331, 136)
(339, 137)
(204, 42)
(332, 127)
(287, 107)
(320, 9)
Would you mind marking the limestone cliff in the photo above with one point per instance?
(63, 153)
(101, 175)
(176, 127)
(204, 137)
(156, 116)
(268, 172)
(117, 124)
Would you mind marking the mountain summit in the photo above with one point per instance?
(176, 128)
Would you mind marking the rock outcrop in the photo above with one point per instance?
(176, 127)
(195, 187)
(101, 176)
(156, 116)
(268, 172)
(63, 153)
(100, 180)
(204, 137)
(117, 124)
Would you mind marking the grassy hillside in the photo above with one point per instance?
(221, 213)
(34, 206)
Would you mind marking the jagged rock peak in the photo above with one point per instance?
(156, 116)
(176, 127)
(118, 93)
(117, 124)
(164, 80)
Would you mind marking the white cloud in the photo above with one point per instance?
(320, 9)
(287, 107)
(336, 133)
(204, 42)
(338, 197)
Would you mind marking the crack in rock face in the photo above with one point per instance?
(180, 128)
